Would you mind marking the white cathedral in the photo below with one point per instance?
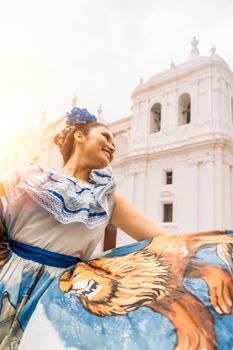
(174, 158)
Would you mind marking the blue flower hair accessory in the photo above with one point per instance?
(79, 116)
(74, 117)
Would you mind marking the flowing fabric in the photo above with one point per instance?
(138, 297)
(171, 292)
(51, 220)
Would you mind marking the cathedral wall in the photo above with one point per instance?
(201, 191)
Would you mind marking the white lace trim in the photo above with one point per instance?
(67, 198)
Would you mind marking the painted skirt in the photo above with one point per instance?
(171, 292)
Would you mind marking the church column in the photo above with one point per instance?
(139, 125)
(205, 189)
(221, 103)
(128, 186)
(227, 195)
(194, 102)
(216, 102)
(208, 100)
(139, 190)
(193, 195)
(164, 114)
(218, 191)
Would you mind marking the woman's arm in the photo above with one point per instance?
(131, 221)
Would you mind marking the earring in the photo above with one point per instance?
(78, 137)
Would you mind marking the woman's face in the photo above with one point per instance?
(98, 147)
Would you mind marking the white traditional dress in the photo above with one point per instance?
(137, 297)
(53, 220)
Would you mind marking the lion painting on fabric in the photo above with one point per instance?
(105, 294)
(152, 277)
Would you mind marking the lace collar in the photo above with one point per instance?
(70, 199)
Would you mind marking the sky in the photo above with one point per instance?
(98, 50)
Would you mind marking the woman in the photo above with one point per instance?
(54, 220)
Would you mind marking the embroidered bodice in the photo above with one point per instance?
(54, 211)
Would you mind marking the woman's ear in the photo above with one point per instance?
(79, 136)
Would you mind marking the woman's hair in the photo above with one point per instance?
(65, 139)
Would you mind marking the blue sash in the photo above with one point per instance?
(42, 256)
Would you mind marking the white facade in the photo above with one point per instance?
(182, 123)
(197, 150)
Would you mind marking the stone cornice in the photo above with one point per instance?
(179, 72)
(120, 125)
(202, 149)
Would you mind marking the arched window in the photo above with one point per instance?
(184, 109)
(155, 118)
